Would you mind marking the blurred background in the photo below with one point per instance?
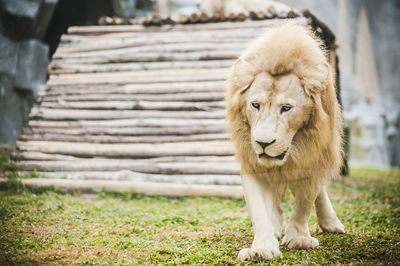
(367, 31)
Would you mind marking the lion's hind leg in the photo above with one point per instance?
(327, 218)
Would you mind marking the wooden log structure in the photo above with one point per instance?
(195, 18)
(145, 188)
(141, 103)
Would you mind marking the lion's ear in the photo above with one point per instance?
(328, 95)
(245, 88)
(238, 97)
(321, 88)
(242, 74)
(240, 79)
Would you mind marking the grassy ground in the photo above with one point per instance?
(43, 226)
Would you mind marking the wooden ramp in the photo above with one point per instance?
(139, 104)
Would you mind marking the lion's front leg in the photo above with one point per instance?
(260, 203)
(297, 233)
(327, 218)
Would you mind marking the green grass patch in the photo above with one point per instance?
(46, 226)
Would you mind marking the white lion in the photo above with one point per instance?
(286, 124)
(226, 7)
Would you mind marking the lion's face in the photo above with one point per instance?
(276, 108)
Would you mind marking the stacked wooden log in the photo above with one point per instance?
(136, 103)
(204, 18)
(194, 18)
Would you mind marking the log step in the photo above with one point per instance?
(149, 122)
(122, 139)
(209, 148)
(74, 128)
(145, 188)
(71, 68)
(44, 113)
(127, 175)
(167, 168)
(186, 97)
(40, 156)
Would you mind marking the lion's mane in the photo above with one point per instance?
(316, 150)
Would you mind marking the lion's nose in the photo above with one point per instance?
(265, 144)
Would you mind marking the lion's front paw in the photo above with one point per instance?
(300, 242)
(259, 254)
(331, 226)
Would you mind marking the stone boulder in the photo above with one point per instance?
(23, 61)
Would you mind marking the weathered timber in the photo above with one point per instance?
(137, 74)
(161, 48)
(145, 188)
(127, 175)
(150, 122)
(60, 127)
(105, 20)
(40, 156)
(65, 68)
(232, 17)
(89, 30)
(82, 114)
(241, 17)
(183, 19)
(103, 45)
(181, 168)
(203, 18)
(145, 88)
(194, 18)
(154, 57)
(217, 148)
(138, 80)
(136, 105)
(186, 97)
(211, 159)
(72, 43)
(196, 36)
(122, 139)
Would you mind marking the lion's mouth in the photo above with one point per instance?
(279, 157)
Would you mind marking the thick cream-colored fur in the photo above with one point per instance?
(286, 66)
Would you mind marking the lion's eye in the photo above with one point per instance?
(256, 105)
(285, 108)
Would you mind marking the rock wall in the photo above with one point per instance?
(23, 61)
